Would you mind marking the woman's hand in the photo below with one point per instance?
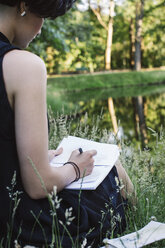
(84, 161)
(53, 153)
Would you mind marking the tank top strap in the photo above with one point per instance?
(6, 47)
(6, 112)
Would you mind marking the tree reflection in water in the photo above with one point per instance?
(132, 109)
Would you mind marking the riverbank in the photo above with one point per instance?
(106, 80)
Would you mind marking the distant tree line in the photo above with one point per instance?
(105, 35)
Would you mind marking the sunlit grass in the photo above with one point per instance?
(107, 80)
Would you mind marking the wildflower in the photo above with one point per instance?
(16, 245)
(105, 241)
(54, 198)
(57, 202)
(60, 221)
(29, 246)
(117, 181)
(111, 211)
(118, 217)
(84, 243)
(153, 218)
(13, 194)
(68, 216)
(55, 190)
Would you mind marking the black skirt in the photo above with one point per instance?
(96, 214)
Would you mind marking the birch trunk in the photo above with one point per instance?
(109, 37)
(109, 29)
(112, 114)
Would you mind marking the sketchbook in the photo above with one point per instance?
(152, 232)
(104, 160)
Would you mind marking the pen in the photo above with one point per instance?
(80, 150)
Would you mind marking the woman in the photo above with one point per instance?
(24, 143)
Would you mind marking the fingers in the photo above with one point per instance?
(53, 153)
(89, 152)
(58, 151)
(92, 152)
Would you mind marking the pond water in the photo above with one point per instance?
(95, 102)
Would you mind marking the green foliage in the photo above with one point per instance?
(52, 35)
(77, 39)
(50, 45)
(83, 39)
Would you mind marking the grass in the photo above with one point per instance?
(145, 168)
(106, 80)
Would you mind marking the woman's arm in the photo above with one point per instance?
(25, 79)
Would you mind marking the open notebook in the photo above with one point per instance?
(107, 155)
(152, 232)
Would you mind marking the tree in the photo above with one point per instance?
(138, 34)
(107, 25)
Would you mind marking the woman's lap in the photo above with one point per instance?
(101, 210)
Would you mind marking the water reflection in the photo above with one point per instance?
(104, 93)
(132, 109)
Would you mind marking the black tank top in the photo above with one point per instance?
(11, 186)
(9, 164)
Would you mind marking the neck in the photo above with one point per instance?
(7, 21)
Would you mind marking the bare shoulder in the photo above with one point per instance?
(21, 67)
(21, 58)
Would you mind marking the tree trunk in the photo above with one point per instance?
(138, 34)
(132, 44)
(145, 105)
(142, 124)
(135, 119)
(109, 37)
(112, 114)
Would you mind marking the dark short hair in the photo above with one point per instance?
(43, 8)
